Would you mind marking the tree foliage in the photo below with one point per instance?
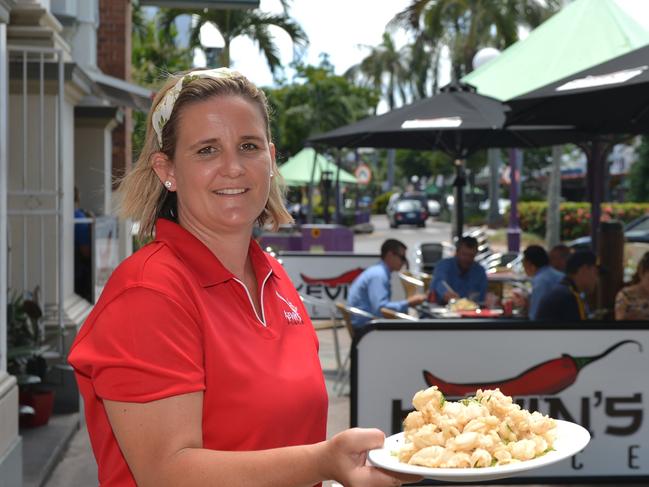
(254, 24)
(466, 26)
(154, 53)
(315, 101)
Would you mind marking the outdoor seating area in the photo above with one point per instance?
(264, 213)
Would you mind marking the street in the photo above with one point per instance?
(435, 231)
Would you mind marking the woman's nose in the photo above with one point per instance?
(231, 165)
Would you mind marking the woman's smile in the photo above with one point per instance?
(231, 191)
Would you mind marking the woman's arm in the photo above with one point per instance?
(621, 306)
(162, 444)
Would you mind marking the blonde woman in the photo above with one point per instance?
(199, 366)
(632, 302)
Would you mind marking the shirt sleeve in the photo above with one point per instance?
(144, 346)
(378, 291)
(439, 275)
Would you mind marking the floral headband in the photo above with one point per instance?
(162, 111)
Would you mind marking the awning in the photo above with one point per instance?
(121, 92)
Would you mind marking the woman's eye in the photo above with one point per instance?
(207, 150)
(248, 146)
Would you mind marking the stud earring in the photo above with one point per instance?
(272, 174)
(168, 184)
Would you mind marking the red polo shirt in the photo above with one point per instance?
(172, 320)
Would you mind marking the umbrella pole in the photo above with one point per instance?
(597, 154)
(459, 184)
(338, 218)
(309, 217)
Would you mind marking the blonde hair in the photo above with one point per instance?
(144, 199)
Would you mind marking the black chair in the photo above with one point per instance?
(429, 254)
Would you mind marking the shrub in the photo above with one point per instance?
(380, 203)
(575, 216)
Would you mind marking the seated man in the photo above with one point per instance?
(559, 255)
(371, 290)
(460, 276)
(544, 277)
(566, 301)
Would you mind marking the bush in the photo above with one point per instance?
(380, 203)
(575, 217)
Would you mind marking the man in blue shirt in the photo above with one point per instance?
(371, 290)
(460, 276)
(536, 263)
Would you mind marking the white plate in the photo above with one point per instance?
(571, 439)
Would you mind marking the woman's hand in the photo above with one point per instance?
(346, 460)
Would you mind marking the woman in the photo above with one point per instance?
(198, 365)
(632, 302)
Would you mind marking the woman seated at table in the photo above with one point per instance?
(632, 302)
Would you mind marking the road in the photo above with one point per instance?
(435, 231)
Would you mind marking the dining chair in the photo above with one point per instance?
(347, 312)
(391, 314)
(411, 284)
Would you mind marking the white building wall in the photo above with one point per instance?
(11, 473)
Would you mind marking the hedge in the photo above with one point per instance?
(380, 203)
(575, 217)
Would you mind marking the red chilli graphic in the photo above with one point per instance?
(548, 377)
(344, 278)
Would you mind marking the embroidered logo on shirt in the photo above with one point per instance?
(293, 316)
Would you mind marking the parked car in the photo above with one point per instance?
(434, 207)
(407, 212)
(636, 231)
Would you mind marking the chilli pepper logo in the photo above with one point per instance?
(546, 378)
(344, 278)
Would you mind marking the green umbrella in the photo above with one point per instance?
(298, 169)
(580, 35)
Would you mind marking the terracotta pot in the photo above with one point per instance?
(42, 401)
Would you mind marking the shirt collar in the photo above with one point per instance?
(201, 261)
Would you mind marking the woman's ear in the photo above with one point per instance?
(164, 169)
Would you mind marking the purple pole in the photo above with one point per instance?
(513, 231)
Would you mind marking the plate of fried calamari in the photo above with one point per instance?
(479, 438)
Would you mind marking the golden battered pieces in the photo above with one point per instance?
(482, 431)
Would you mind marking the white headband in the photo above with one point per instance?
(162, 111)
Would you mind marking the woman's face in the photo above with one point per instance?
(222, 165)
(644, 279)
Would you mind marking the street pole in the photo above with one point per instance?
(553, 215)
(493, 218)
(513, 231)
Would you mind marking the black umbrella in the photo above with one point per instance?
(610, 98)
(457, 121)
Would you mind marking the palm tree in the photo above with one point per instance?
(253, 24)
(468, 25)
(385, 70)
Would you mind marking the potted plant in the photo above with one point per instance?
(25, 358)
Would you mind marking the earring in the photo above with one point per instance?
(168, 184)
(272, 174)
